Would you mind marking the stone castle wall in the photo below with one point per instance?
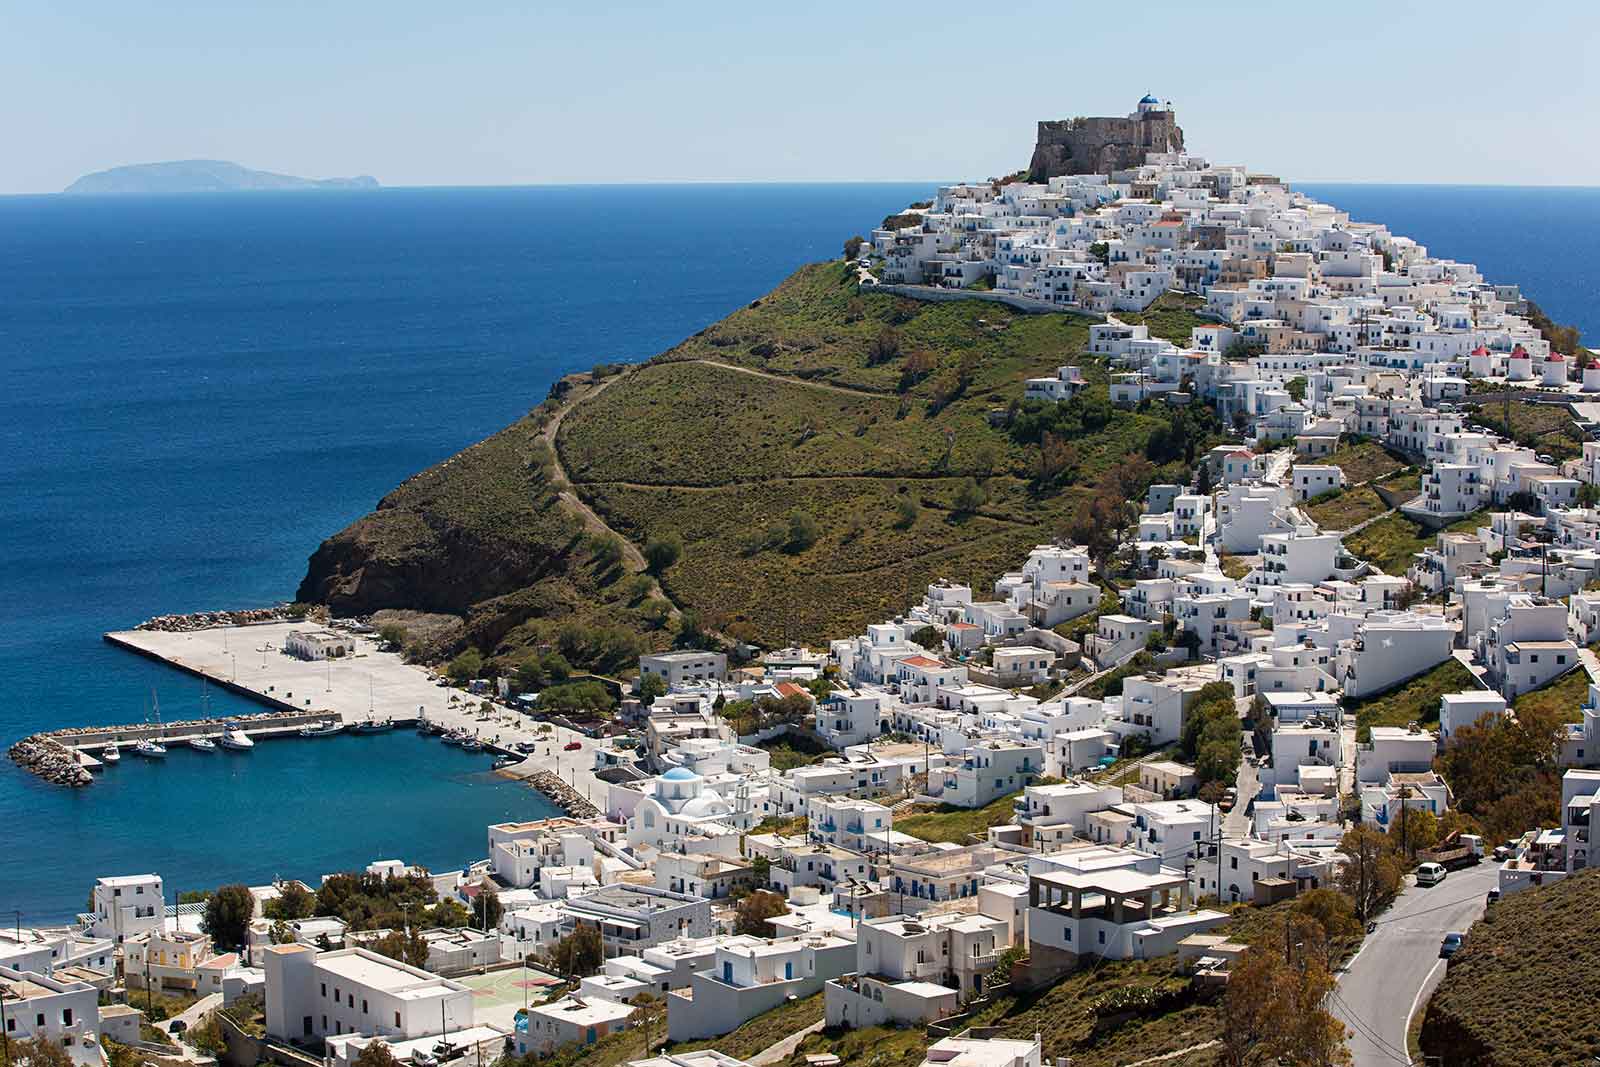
(1102, 145)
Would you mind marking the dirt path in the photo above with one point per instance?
(632, 558)
(789, 379)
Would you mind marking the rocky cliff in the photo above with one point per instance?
(1102, 145)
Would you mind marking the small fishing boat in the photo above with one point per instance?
(202, 744)
(373, 726)
(507, 761)
(111, 754)
(453, 737)
(150, 749)
(324, 728)
(472, 744)
(234, 737)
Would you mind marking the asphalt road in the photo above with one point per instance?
(1399, 963)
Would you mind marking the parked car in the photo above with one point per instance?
(572, 746)
(1451, 945)
(1501, 852)
(178, 1026)
(1430, 874)
(1493, 897)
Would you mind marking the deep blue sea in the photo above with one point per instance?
(197, 390)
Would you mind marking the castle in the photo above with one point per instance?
(1103, 145)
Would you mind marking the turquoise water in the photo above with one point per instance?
(199, 389)
(290, 807)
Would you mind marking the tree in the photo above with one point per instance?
(1334, 912)
(1296, 388)
(885, 346)
(449, 913)
(40, 1052)
(751, 913)
(1101, 250)
(376, 1054)
(1372, 874)
(927, 637)
(1416, 828)
(281, 933)
(392, 634)
(651, 686)
(606, 548)
(969, 497)
(294, 901)
(1275, 1009)
(852, 246)
(407, 946)
(466, 666)
(905, 512)
(580, 953)
(227, 916)
(802, 531)
(487, 910)
(663, 551)
(761, 870)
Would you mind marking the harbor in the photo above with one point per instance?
(365, 690)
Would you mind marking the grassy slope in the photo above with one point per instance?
(717, 454)
(1417, 700)
(1564, 695)
(1508, 998)
(947, 823)
(1363, 461)
(1390, 542)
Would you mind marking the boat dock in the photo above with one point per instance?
(368, 685)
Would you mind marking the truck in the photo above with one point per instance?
(1454, 852)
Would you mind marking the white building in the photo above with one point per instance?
(128, 906)
(680, 669)
(311, 995)
(57, 1010)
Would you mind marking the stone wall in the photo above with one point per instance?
(1102, 145)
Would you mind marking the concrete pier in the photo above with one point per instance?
(369, 684)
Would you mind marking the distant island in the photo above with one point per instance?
(203, 176)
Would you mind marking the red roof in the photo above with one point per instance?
(1480, 351)
(1555, 357)
(789, 689)
(921, 661)
(1242, 454)
(1519, 353)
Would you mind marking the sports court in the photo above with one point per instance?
(499, 995)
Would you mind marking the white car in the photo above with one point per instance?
(1430, 874)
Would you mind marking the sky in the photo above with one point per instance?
(464, 93)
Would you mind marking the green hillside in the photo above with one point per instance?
(821, 453)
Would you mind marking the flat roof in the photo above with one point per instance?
(1120, 881)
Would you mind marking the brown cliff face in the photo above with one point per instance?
(1102, 145)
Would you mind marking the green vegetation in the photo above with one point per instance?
(1562, 698)
(1503, 770)
(1547, 428)
(793, 750)
(873, 429)
(1364, 460)
(227, 916)
(1211, 732)
(1391, 542)
(1503, 999)
(958, 825)
(1341, 510)
(574, 697)
(1415, 701)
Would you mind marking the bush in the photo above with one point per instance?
(663, 551)
(802, 533)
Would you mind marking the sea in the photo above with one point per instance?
(198, 389)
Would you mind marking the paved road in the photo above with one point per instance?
(1399, 963)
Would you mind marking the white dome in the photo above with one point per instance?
(705, 806)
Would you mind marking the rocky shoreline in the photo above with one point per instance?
(562, 795)
(205, 620)
(50, 759)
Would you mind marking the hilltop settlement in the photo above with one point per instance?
(1145, 795)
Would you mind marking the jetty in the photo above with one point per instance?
(247, 658)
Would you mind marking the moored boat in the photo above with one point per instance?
(472, 744)
(202, 744)
(111, 754)
(234, 737)
(150, 749)
(324, 728)
(374, 726)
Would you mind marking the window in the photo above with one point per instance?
(66, 1016)
(363, 1006)
(397, 1018)
(324, 990)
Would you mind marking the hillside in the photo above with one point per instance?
(202, 176)
(1520, 993)
(875, 426)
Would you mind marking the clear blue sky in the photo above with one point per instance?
(476, 93)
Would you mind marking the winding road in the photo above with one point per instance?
(1398, 965)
